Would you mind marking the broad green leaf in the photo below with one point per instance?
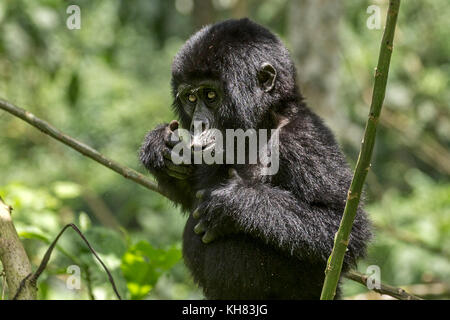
(142, 265)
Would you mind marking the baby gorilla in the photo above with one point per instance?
(251, 235)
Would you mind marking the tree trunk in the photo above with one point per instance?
(13, 257)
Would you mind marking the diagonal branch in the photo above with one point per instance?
(398, 293)
(32, 278)
(82, 148)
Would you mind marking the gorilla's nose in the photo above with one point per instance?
(199, 125)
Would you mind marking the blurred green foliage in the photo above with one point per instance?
(108, 83)
(142, 265)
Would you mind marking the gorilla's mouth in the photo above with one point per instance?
(204, 142)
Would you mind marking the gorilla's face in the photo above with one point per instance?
(243, 66)
(200, 101)
(206, 107)
(235, 75)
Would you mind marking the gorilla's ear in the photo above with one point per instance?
(267, 76)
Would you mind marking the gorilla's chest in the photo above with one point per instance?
(238, 267)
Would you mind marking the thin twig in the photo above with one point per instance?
(32, 278)
(84, 149)
(395, 292)
(334, 265)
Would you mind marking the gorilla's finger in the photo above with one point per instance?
(172, 140)
(183, 169)
(167, 153)
(232, 173)
(200, 194)
(196, 214)
(175, 139)
(200, 228)
(173, 125)
(209, 236)
(177, 175)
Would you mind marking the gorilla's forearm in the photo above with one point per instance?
(178, 191)
(276, 217)
(174, 180)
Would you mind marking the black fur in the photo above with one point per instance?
(276, 231)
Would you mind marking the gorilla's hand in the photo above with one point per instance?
(216, 218)
(156, 152)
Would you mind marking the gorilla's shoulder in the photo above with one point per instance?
(308, 126)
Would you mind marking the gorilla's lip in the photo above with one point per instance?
(203, 147)
(206, 143)
(209, 146)
(212, 148)
(203, 140)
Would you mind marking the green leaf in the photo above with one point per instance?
(142, 266)
(33, 235)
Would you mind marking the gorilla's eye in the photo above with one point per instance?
(192, 98)
(211, 95)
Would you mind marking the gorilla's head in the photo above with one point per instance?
(230, 75)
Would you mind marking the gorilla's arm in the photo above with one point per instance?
(300, 210)
(276, 217)
(175, 180)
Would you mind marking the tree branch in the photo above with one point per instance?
(32, 278)
(334, 265)
(398, 293)
(82, 148)
(16, 264)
